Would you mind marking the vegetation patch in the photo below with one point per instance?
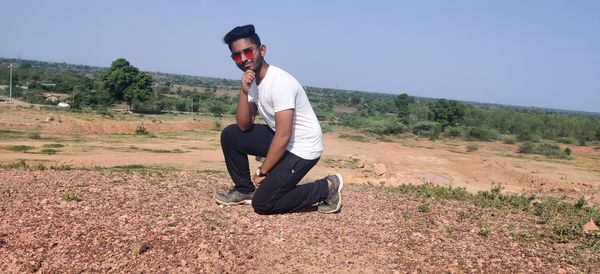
(472, 147)
(353, 137)
(20, 148)
(343, 163)
(141, 130)
(70, 197)
(19, 164)
(164, 150)
(563, 219)
(49, 151)
(6, 134)
(480, 134)
(131, 167)
(212, 171)
(35, 135)
(53, 145)
(548, 150)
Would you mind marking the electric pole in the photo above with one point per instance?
(10, 85)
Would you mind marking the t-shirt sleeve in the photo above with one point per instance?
(253, 93)
(284, 96)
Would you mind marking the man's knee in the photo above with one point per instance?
(229, 131)
(263, 207)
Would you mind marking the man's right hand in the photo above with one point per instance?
(247, 80)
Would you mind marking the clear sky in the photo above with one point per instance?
(542, 53)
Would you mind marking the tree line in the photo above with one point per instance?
(376, 113)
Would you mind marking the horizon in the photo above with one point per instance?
(346, 90)
(539, 54)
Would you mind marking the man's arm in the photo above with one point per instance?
(246, 111)
(283, 133)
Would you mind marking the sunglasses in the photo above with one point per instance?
(248, 52)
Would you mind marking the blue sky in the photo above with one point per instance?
(541, 53)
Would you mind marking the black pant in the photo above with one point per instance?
(279, 192)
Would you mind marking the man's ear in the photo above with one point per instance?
(263, 50)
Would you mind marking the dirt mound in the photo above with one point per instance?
(88, 221)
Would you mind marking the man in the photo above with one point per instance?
(290, 142)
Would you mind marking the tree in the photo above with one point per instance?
(447, 112)
(403, 102)
(126, 82)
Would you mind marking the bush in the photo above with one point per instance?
(426, 128)
(384, 127)
(510, 141)
(141, 130)
(453, 131)
(527, 136)
(472, 147)
(567, 151)
(567, 140)
(20, 148)
(481, 134)
(526, 147)
(49, 151)
(550, 150)
(35, 135)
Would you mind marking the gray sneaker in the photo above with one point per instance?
(233, 197)
(333, 203)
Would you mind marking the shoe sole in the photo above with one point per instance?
(244, 202)
(339, 205)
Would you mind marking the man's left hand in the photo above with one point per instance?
(257, 180)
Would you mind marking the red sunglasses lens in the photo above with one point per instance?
(237, 57)
(249, 53)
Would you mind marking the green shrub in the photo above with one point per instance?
(548, 150)
(510, 141)
(567, 151)
(20, 148)
(453, 131)
(355, 138)
(53, 145)
(527, 136)
(70, 197)
(49, 151)
(141, 130)
(551, 151)
(480, 134)
(426, 128)
(104, 112)
(385, 127)
(472, 147)
(35, 135)
(567, 140)
(526, 147)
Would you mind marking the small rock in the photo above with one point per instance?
(139, 247)
(562, 271)
(95, 189)
(535, 202)
(379, 169)
(360, 164)
(218, 270)
(590, 227)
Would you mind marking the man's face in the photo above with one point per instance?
(242, 49)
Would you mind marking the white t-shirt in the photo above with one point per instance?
(280, 91)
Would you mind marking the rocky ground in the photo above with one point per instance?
(105, 221)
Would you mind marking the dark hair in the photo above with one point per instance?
(241, 32)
